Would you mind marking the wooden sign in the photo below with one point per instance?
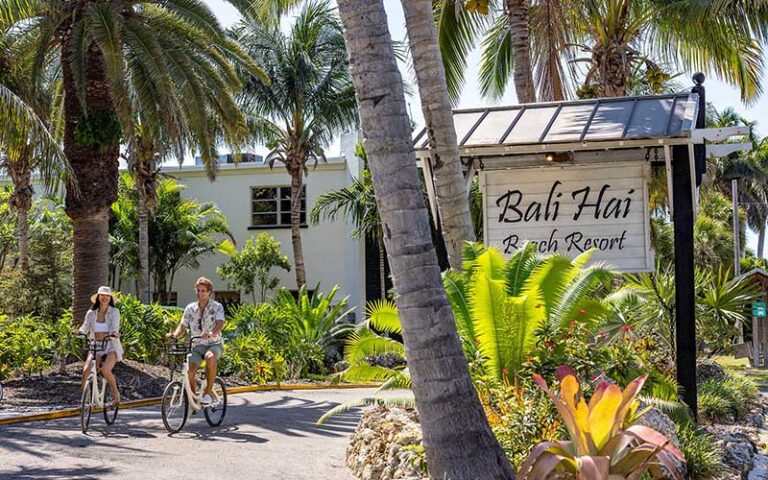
(569, 209)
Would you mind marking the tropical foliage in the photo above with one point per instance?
(252, 265)
(43, 289)
(308, 100)
(603, 442)
(613, 38)
(318, 322)
(182, 230)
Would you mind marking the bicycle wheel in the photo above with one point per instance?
(85, 406)
(214, 414)
(174, 407)
(110, 412)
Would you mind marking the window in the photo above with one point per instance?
(271, 207)
(228, 299)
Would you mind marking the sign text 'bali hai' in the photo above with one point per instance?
(570, 209)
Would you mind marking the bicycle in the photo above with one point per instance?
(93, 396)
(178, 400)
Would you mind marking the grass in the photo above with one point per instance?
(741, 365)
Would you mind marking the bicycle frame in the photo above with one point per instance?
(97, 395)
(195, 402)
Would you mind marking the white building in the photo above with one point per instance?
(331, 256)
(256, 198)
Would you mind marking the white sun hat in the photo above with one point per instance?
(104, 291)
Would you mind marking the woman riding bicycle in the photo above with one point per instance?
(102, 321)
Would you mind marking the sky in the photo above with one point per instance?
(719, 93)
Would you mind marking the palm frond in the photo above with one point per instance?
(402, 402)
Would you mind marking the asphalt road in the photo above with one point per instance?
(265, 435)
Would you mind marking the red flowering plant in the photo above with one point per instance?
(604, 444)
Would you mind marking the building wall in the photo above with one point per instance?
(331, 257)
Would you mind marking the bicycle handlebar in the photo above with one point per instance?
(97, 345)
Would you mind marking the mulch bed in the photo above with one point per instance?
(61, 389)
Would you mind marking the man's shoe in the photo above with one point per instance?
(206, 400)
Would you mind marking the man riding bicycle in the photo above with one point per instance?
(205, 319)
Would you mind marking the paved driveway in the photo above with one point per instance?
(266, 435)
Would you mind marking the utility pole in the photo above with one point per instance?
(736, 248)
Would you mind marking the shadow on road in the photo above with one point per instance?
(140, 433)
(81, 473)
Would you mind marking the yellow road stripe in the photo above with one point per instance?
(74, 412)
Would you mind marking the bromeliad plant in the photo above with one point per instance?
(603, 442)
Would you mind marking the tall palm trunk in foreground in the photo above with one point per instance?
(451, 189)
(457, 439)
(95, 167)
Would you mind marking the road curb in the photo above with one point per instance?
(145, 402)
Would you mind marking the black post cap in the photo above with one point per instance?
(698, 78)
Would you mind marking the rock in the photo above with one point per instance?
(340, 366)
(659, 421)
(378, 448)
(759, 468)
(709, 370)
(756, 420)
(386, 360)
(758, 474)
(739, 455)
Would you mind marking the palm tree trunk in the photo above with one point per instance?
(298, 253)
(90, 259)
(94, 188)
(457, 439)
(22, 220)
(761, 240)
(21, 201)
(519, 26)
(612, 70)
(382, 269)
(450, 187)
(143, 280)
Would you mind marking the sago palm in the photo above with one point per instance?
(112, 56)
(308, 101)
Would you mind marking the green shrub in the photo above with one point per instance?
(317, 324)
(745, 387)
(143, 328)
(64, 346)
(521, 417)
(702, 455)
(727, 399)
(713, 408)
(25, 346)
(252, 357)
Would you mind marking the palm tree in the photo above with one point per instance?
(450, 187)
(26, 146)
(749, 169)
(310, 98)
(457, 438)
(182, 231)
(356, 203)
(756, 211)
(723, 38)
(107, 52)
